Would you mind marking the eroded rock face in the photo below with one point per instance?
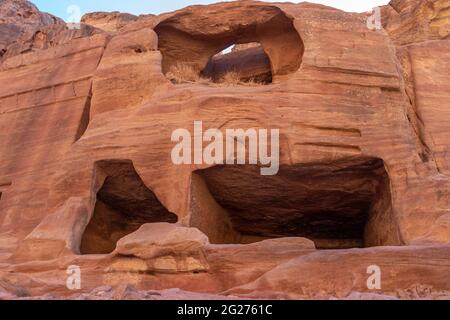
(87, 180)
(409, 21)
(20, 19)
(108, 21)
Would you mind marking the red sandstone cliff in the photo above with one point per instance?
(86, 177)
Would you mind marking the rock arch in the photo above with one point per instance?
(187, 38)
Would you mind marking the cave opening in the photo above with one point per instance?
(345, 204)
(123, 203)
(262, 46)
(240, 63)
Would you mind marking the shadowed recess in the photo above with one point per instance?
(85, 117)
(123, 204)
(339, 205)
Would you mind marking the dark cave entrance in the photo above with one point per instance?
(123, 204)
(340, 205)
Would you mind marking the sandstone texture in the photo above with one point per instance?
(108, 21)
(20, 20)
(87, 179)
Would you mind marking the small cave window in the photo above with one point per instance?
(340, 205)
(239, 64)
(123, 204)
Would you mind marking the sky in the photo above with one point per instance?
(72, 10)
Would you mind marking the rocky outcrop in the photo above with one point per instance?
(87, 179)
(25, 29)
(108, 21)
(409, 21)
(21, 19)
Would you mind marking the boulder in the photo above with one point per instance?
(165, 248)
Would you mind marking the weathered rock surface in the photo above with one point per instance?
(19, 19)
(87, 180)
(108, 21)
